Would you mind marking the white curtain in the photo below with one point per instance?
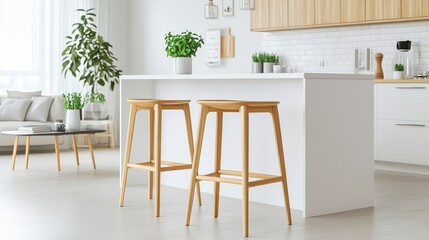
(33, 37)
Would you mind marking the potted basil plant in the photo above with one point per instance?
(399, 71)
(182, 47)
(256, 63)
(73, 104)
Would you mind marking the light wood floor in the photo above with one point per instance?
(80, 203)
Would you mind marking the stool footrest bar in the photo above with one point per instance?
(262, 179)
(165, 166)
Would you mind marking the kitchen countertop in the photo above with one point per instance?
(401, 80)
(251, 76)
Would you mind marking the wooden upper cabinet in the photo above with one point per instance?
(327, 11)
(301, 12)
(278, 13)
(415, 8)
(383, 9)
(352, 11)
(260, 17)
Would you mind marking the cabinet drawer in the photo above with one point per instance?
(402, 101)
(402, 141)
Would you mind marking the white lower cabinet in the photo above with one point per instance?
(402, 123)
(402, 141)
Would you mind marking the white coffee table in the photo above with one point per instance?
(17, 134)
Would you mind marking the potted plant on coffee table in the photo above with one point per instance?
(89, 57)
(399, 71)
(182, 47)
(73, 104)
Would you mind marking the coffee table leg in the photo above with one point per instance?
(15, 148)
(27, 151)
(57, 152)
(75, 148)
(88, 136)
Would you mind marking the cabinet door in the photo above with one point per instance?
(402, 141)
(327, 11)
(301, 13)
(415, 8)
(352, 11)
(383, 9)
(278, 13)
(260, 17)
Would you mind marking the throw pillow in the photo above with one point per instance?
(14, 109)
(22, 95)
(39, 109)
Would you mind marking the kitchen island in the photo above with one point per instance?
(327, 128)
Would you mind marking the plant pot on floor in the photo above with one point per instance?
(72, 120)
(398, 74)
(183, 65)
(95, 111)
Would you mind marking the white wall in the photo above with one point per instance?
(150, 20)
(305, 49)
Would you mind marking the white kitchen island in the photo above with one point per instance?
(327, 127)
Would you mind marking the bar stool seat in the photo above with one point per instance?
(218, 176)
(154, 164)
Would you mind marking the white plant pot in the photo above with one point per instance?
(183, 65)
(268, 67)
(95, 111)
(398, 74)
(72, 120)
(256, 67)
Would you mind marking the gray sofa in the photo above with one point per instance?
(56, 111)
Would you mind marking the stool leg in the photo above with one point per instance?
(277, 131)
(131, 122)
(150, 152)
(191, 143)
(218, 153)
(158, 120)
(245, 138)
(196, 161)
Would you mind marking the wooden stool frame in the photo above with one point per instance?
(155, 165)
(244, 108)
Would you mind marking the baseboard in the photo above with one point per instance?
(401, 167)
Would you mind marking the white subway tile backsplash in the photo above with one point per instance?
(304, 50)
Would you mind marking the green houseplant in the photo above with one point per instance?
(256, 63)
(398, 71)
(88, 57)
(182, 47)
(73, 104)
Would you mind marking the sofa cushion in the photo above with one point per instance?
(39, 109)
(57, 109)
(14, 109)
(22, 95)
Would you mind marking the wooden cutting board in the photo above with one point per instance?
(227, 45)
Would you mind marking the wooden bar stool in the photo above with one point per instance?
(155, 165)
(244, 107)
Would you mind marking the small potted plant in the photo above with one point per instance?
(269, 59)
(73, 104)
(256, 63)
(399, 71)
(182, 47)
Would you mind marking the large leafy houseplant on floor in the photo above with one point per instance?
(88, 56)
(182, 47)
